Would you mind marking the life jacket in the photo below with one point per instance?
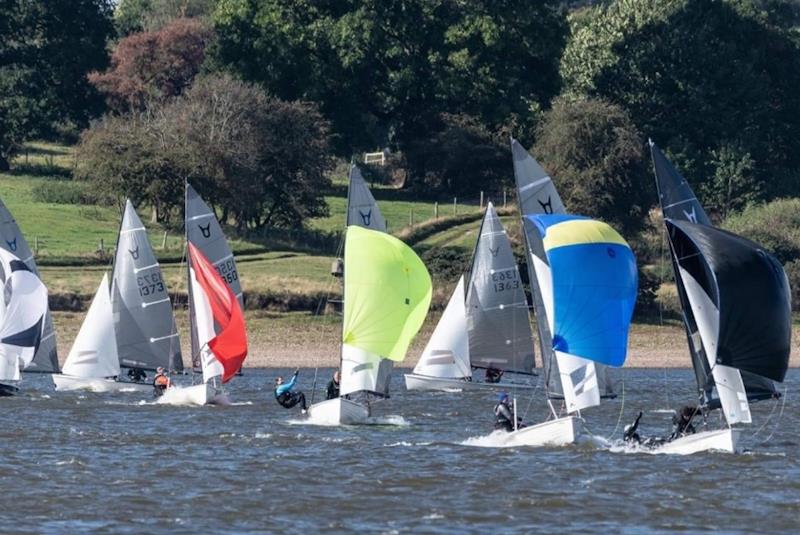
(501, 418)
(161, 381)
(284, 398)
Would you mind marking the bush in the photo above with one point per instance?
(793, 273)
(447, 263)
(63, 192)
(775, 226)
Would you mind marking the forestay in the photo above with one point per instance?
(216, 318)
(588, 276)
(204, 231)
(143, 321)
(498, 323)
(22, 313)
(740, 297)
(11, 239)
(386, 299)
(94, 352)
(679, 203)
(447, 352)
(536, 194)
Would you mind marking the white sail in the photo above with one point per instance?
(24, 307)
(730, 388)
(94, 352)
(203, 323)
(447, 351)
(362, 210)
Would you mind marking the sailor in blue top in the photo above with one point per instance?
(285, 396)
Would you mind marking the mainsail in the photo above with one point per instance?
(203, 230)
(216, 318)
(11, 239)
(143, 321)
(740, 298)
(94, 352)
(588, 279)
(22, 313)
(679, 203)
(386, 300)
(536, 194)
(447, 352)
(498, 323)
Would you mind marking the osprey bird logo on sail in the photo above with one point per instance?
(134, 253)
(494, 251)
(691, 216)
(547, 206)
(205, 231)
(366, 218)
(12, 245)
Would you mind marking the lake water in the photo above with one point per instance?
(118, 463)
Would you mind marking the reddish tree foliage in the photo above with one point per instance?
(153, 65)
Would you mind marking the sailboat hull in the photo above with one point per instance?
(338, 411)
(558, 432)
(7, 390)
(445, 384)
(725, 440)
(64, 383)
(197, 395)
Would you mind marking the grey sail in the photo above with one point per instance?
(362, 210)
(536, 194)
(497, 311)
(204, 231)
(143, 320)
(46, 358)
(679, 203)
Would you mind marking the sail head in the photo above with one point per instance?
(362, 210)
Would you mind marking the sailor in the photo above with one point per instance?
(160, 382)
(682, 422)
(333, 386)
(137, 375)
(286, 397)
(504, 416)
(630, 432)
(493, 374)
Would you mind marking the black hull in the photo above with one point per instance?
(8, 390)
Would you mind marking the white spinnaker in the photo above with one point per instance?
(203, 321)
(447, 352)
(94, 352)
(730, 388)
(578, 375)
(23, 320)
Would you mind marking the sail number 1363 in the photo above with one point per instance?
(506, 279)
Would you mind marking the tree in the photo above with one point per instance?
(385, 71)
(45, 52)
(259, 160)
(133, 16)
(692, 82)
(596, 156)
(153, 65)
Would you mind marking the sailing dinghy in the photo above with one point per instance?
(736, 306)
(387, 292)
(46, 358)
(217, 326)
(489, 328)
(587, 277)
(536, 195)
(22, 318)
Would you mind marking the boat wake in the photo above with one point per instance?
(495, 439)
(391, 420)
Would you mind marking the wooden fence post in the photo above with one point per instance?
(455, 201)
(436, 210)
(164, 241)
(481, 205)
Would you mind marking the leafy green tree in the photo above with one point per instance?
(596, 156)
(46, 50)
(699, 76)
(133, 16)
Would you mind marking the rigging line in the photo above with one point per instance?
(621, 409)
(661, 305)
(780, 415)
(328, 293)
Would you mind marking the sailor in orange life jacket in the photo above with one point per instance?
(161, 382)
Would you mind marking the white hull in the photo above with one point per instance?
(725, 440)
(558, 432)
(338, 411)
(197, 395)
(445, 384)
(65, 383)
